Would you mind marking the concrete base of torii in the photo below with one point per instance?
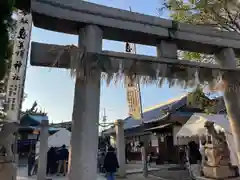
(8, 163)
(85, 117)
(7, 170)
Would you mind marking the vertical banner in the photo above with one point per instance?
(133, 99)
(133, 91)
(18, 67)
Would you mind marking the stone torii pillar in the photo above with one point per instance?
(120, 144)
(226, 58)
(85, 116)
(42, 166)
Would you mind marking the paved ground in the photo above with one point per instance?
(134, 172)
(171, 175)
(140, 177)
(22, 175)
(134, 175)
(161, 171)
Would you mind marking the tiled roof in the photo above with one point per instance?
(154, 113)
(32, 119)
(50, 128)
(39, 117)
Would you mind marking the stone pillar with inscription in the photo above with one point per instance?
(13, 98)
(120, 144)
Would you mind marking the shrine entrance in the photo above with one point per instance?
(93, 23)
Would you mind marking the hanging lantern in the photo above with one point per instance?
(128, 48)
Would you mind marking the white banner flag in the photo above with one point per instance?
(18, 65)
(133, 92)
(133, 99)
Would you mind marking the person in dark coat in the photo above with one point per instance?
(127, 152)
(51, 160)
(194, 159)
(194, 153)
(62, 160)
(111, 163)
(31, 162)
(101, 162)
(55, 165)
(182, 156)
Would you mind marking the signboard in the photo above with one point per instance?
(154, 141)
(133, 99)
(18, 65)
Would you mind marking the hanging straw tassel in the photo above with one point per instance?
(162, 70)
(84, 65)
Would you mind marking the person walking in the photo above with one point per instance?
(51, 160)
(62, 157)
(111, 163)
(101, 162)
(150, 159)
(31, 162)
(202, 144)
(194, 159)
(127, 152)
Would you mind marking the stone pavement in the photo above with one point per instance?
(140, 177)
(22, 175)
(161, 172)
(134, 172)
(137, 167)
(165, 174)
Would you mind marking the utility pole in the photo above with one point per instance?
(104, 118)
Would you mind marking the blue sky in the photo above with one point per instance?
(53, 88)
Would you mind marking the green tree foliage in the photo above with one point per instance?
(6, 22)
(222, 14)
(199, 97)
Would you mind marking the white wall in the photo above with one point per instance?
(175, 131)
(154, 140)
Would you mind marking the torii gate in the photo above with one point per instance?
(93, 23)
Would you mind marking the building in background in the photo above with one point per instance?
(66, 125)
(103, 141)
(29, 131)
(162, 122)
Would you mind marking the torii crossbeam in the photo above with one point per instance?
(121, 25)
